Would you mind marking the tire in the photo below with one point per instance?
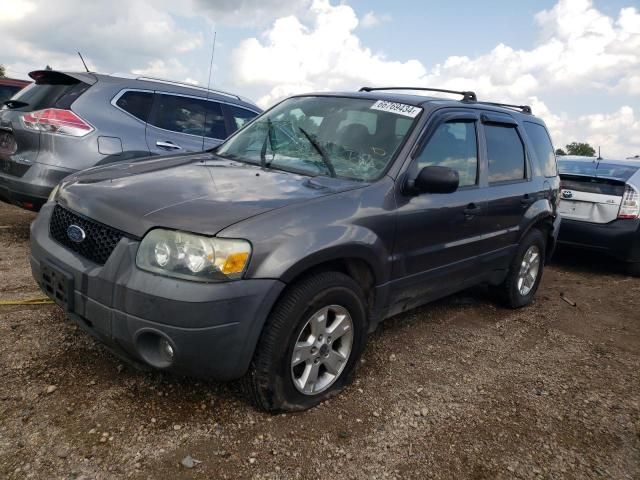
(273, 383)
(510, 292)
(633, 269)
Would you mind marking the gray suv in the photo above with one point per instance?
(273, 256)
(66, 122)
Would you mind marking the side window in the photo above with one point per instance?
(240, 116)
(543, 148)
(215, 121)
(453, 145)
(179, 114)
(506, 153)
(137, 104)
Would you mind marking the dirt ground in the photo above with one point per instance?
(459, 389)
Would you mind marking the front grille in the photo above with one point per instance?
(99, 240)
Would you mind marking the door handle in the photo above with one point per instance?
(527, 200)
(471, 210)
(168, 145)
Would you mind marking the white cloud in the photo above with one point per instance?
(580, 50)
(372, 19)
(115, 37)
(247, 12)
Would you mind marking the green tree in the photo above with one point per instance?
(2, 71)
(560, 151)
(582, 149)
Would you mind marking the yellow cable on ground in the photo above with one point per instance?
(28, 301)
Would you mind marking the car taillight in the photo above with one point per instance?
(630, 205)
(56, 120)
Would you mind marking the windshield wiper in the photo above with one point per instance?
(267, 139)
(321, 151)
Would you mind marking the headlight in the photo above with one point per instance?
(54, 193)
(193, 257)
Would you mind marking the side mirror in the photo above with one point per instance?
(435, 179)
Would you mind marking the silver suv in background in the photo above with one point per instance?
(600, 207)
(66, 121)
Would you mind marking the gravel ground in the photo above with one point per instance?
(458, 389)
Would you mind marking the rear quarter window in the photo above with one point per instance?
(542, 147)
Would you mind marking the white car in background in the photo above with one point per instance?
(600, 206)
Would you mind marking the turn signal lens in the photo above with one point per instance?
(58, 121)
(235, 263)
(630, 204)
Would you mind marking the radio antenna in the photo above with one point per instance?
(83, 62)
(213, 50)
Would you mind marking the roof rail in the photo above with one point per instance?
(467, 96)
(523, 108)
(189, 85)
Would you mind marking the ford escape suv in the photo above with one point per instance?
(271, 257)
(600, 206)
(66, 122)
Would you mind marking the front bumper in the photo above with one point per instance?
(213, 328)
(619, 238)
(32, 189)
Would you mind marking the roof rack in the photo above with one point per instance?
(467, 96)
(523, 108)
(189, 85)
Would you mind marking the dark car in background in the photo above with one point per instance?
(275, 255)
(600, 207)
(66, 121)
(10, 86)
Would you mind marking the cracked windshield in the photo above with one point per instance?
(333, 136)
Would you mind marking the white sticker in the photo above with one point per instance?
(399, 108)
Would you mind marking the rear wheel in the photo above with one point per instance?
(525, 272)
(310, 344)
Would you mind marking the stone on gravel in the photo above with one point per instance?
(51, 389)
(189, 462)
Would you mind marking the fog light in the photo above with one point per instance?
(166, 348)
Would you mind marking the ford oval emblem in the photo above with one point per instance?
(76, 234)
(567, 194)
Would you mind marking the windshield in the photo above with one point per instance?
(334, 136)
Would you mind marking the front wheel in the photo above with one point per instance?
(633, 269)
(310, 344)
(525, 271)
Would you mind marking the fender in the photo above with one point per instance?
(299, 253)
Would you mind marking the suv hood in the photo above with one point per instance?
(199, 193)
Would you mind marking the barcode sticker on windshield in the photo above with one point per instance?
(399, 108)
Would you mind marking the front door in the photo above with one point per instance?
(441, 238)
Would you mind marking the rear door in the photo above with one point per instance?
(180, 123)
(510, 190)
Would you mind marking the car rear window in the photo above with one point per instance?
(8, 91)
(592, 185)
(597, 169)
(38, 96)
(542, 147)
(136, 103)
(506, 153)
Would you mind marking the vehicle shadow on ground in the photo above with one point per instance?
(585, 261)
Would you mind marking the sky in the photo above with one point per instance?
(576, 62)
